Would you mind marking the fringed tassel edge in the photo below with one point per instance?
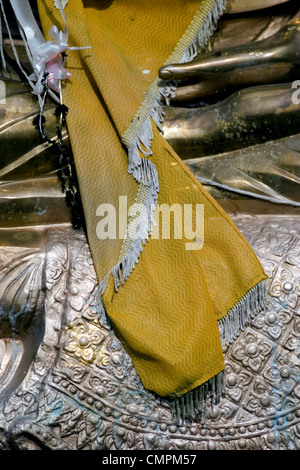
(202, 34)
(139, 136)
(193, 404)
(241, 314)
(138, 139)
(194, 40)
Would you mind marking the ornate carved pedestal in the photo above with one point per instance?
(82, 392)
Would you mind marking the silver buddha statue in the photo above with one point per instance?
(65, 381)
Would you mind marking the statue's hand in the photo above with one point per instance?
(272, 60)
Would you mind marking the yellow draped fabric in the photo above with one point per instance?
(167, 304)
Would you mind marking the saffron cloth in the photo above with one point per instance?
(172, 304)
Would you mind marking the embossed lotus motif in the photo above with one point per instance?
(252, 351)
(274, 321)
(83, 341)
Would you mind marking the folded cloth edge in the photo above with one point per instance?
(138, 139)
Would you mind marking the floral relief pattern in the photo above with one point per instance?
(92, 397)
(83, 341)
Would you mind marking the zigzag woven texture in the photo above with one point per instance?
(166, 313)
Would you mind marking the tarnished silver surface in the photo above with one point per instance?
(65, 380)
(269, 170)
(250, 93)
(248, 117)
(82, 392)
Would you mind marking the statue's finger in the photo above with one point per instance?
(197, 91)
(197, 68)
